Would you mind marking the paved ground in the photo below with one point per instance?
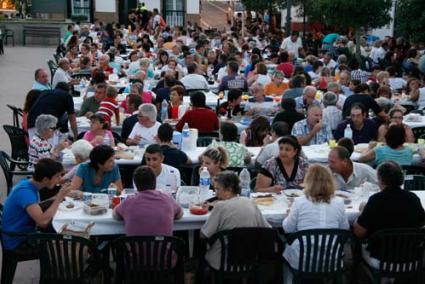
(213, 14)
(17, 67)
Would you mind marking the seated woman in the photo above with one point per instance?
(215, 160)
(97, 175)
(98, 131)
(277, 86)
(176, 100)
(231, 211)
(318, 209)
(394, 150)
(285, 171)
(81, 150)
(238, 153)
(40, 145)
(254, 135)
(396, 118)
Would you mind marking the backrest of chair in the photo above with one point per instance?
(398, 250)
(64, 258)
(17, 112)
(17, 142)
(150, 259)
(263, 243)
(204, 141)
(52, 67)
(214, 134)
(418, 131)
(413, 170)
(4, 163)
(320, 250)
(414, 182)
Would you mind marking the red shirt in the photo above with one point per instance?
(203, 119)
(287, 68)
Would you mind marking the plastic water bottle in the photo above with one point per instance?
(348, 132)
(164, 111)
(185, 131)
(245, 179)
(204, 180)
(106, 140)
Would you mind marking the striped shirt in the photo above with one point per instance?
(108, 107)
(39, 148)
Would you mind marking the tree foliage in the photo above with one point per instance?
(262, 5)
(410, 19)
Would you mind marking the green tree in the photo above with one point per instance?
(359, 14)
(410, 19)
(262, 5)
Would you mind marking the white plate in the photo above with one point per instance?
(293, 192)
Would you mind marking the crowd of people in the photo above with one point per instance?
(292, 94)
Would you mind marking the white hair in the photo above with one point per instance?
(44, 122)
(82, 149)
(148, 110)
(309, 89)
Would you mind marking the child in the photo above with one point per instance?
(109, 106)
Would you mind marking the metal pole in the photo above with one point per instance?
(288, 17)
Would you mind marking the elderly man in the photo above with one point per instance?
(104, 64)
(259, 103)
(193, 80)
(328, 62)
(307, 99)
(336, 88)
(293, 44)
(312, 131)
(349, 174)
(364, 129)
(91, 105)
(62, 73)
(146, 129)
(150, 212)
(41, 80)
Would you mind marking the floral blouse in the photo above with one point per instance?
(273, 168)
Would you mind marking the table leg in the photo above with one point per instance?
(191, 239)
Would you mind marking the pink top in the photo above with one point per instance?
(149, 213)
(89, 136)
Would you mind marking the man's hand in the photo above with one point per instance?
(317, 126)
(64, 191)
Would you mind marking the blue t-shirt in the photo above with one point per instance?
(88, 175)
(401, 157)
(15, 216)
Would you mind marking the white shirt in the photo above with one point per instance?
(290, 46)
(60, 76)
(269, 151)
(306, 215)
(331, 64)
(397, 83)
(421, 99)
(194, 81)
(169, 178)
(361, 173)
(377, 53)
(341, 101)
(147, 134)
(263, 79)
(221, 73)
(332, 116)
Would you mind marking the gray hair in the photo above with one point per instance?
(330, 99)
(82, 149)
(148, 110)
(44, 122)
(229, 179)
(333, 86)
(309, 89)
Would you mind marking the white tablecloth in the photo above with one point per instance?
(106, 225)
(83, 124)
(414, 124)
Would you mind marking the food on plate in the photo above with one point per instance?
(198, 210)
(92, 205)
(70, 205)
(265, 201)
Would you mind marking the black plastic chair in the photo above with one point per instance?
(57, 57)
(1, 44)
(17, 113)
(5, 163)
(320, 254)
(68, 259)
(52, 67)
(413, 170)
(214, 134)
(418, 132)
(18, 144)
(400, 253)
(414, 182)
(8, 33)
(149, 259)
(245, 252)
(10, 258)
(204, 141)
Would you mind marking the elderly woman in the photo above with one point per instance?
(277, 86)
(238, 153)
(231, 211)
(98, 131)
(145, 131)
(97, 175)
(81, 150)
(394, 149)
(285, 171)
(215, 159)
(396, 118)
(40, 145)
(318, 209)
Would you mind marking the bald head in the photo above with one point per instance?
(41, 76)
(63, 63)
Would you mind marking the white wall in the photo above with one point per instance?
(192, 6)
(387, 30)
(151, 4)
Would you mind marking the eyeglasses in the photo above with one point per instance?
(397, 117)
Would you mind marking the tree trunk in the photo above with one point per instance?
(357, 35)
(288, 17)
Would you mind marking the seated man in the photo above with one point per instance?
(364, 129)
(172, 156)
(199, 117)
(91, 105)
(307, 99)
(349, 174)
(167, 177)
(392, 207)
(288, 113)
(259, 104)
(41, 80)
(150, 212)
(134, 101)
(297, 85)
(311, 130)
(234, 98)
(233, 80)
(193, 80)
(22, 212)
(146, 129)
